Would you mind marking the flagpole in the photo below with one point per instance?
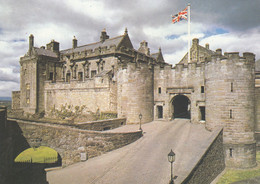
(189, 33)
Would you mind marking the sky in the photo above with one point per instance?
(233, 25)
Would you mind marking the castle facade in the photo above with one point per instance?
(214, 89)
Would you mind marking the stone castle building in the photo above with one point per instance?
(215, 89)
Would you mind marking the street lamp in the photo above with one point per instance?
(171, 159)
(140, 117)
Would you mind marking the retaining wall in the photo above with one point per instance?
(70, 142)
(211, 163)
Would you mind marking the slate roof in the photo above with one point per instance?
(108, 42)
(45, 52)
(103, 73)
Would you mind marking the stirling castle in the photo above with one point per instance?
(214, 89)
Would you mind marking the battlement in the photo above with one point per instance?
(247, 58)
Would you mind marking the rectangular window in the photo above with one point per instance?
(202, 89)
(230, 114)
(230, 152)
(202, 113)
(80, 76)
(231, 86)
(159, 90)
(68, 77)
(27, 93)
(51, 76)
(93, 73)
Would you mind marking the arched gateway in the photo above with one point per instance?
(181, 107)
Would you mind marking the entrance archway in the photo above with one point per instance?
(181, 107)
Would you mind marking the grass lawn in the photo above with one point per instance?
(233, 175)
(41, 154)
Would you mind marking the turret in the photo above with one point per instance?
(230, 103)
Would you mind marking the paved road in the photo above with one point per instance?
(144, 161)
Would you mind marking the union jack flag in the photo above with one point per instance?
(183, 15)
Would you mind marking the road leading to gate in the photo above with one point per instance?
(144, 161)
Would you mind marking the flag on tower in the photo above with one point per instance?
(182, 15)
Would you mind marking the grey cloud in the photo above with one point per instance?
(8, 77)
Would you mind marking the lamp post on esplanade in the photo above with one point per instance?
(171, 159)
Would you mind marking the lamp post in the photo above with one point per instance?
(171, 159)
(140, 117)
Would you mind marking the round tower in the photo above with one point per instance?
(229, 90)
(135, 92)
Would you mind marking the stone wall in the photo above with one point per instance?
(6, 148)
(230, 102)
(94, 94)
(15, 99)
(71, 142)
(135, 92)
(101, 125)
(211, 163)
(179, 81)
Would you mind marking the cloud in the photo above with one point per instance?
(231, 25)
(7, 75)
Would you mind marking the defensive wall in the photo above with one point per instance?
(211, 162)
(71, 142)
(179, 81)
(6, 147)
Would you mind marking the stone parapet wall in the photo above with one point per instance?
(211, 163)
(71, 142)
(101, 125)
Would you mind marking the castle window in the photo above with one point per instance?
(159, 90)
(93, 73)
(51, 76)
(68, 77)
(102, 80)
(202, 113)
(230, 114)
(230, 152)
(27, 93)
(202, 90)
(231, 87)
(80, 76)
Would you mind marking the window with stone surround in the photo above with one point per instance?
(80, 76)
(231, 87)
(28, 93)
(51, 76)
(230, 152)
(93, 73)
(159, 90)
(202, 89)
(230, 114)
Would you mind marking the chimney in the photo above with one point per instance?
(104, 35)
(31, 42)
(53, 46)
(207, 46)
(219, 51)
(195, 41)
(144, 48)
(74, 43)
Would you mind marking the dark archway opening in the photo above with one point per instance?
(181, 107)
